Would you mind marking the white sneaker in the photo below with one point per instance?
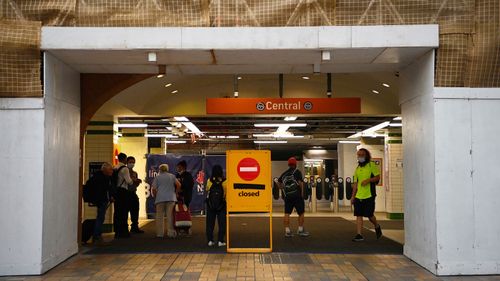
(222, 244)
(211, 243)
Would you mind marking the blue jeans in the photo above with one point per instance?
(99, 221)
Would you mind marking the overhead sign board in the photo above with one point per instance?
(282, 105)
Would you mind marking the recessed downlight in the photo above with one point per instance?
(168, 85)
(375, 91)
(306, 77)
(175, 91)
(385, 85)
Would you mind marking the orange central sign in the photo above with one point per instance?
(283, 105)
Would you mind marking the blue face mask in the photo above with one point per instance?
(361, 160)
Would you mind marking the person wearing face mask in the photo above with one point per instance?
(186, 181)
(365, 179)
(133, 199)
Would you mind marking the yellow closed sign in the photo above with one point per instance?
(248, 181)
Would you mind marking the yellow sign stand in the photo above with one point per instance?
(249, 189)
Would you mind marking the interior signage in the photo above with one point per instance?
(282, 105)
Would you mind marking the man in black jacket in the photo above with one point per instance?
(186, 181)
(101, 180)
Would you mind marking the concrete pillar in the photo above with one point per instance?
(39, 168)
(450, 174)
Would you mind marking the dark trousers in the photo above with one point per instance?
(134, 209)
(99, 221)
(210, 225)
(121, 212)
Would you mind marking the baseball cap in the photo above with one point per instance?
(292, 161)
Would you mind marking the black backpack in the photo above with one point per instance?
(291, 187)
(215, 197)
(114, 179)
(89, 192)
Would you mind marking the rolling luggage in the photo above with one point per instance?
(182, 218)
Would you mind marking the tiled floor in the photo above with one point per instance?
(240, 267)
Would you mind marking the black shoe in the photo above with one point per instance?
(122, 235)
(136, 230)
(358, 238)
(378, 231)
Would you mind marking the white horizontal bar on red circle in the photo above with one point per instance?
(248, 169)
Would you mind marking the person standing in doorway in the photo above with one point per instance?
(165, 188)
(365, 179)
(101, 181)
(121, 181)
(216, 206)
(292, 184)
(186, 181)
(132, 196)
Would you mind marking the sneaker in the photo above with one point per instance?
(303, 233)
(222, 244)
(378, 231)
(358, 238)
(211, 243)
(288, 234)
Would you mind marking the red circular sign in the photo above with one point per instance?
(248, 169)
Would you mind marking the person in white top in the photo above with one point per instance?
(123, 180)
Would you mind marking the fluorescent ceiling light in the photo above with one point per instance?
(174, 91)
(212, 137)
(160, 136)
(395, 125)
(397, 118)
(290, 118)
(181, 119)
(263, 135)
(175, 141)
(232, 137)
(370, 131)
(169, 128)
(385, 85)
(137, 125)
(375, 91)
(168, 85)
(269, 141)
(261, 125)
(353, 142)
(192, 127)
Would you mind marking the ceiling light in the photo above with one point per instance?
(385, 85)
(192, 127)
(260, 125)
(395, 125)
(263, 135)
(325, 55)
(263, 141)
(290, 118)
(221, 137)
(305, 77)
(137, 125)
(160, 136)
(375, 91)
(370, 131)
(232, 137)
(159, 76)
(151, 56)
(169, 128)
(175, 141)
(174, 91)
(181, 119)
(178, 125)
(239, 77)
(212, 137)
(168, 85)
(353, 142)
(397, 118)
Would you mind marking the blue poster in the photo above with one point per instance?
(194, 166)
(200, 167)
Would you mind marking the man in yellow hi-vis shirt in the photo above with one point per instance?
(365, 179)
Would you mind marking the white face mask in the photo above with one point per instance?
(130, 165)
(361, 159)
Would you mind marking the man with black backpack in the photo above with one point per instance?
(120, 181)
(293, 188)
(97, 191)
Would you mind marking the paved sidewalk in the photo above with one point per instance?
(274, 266)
